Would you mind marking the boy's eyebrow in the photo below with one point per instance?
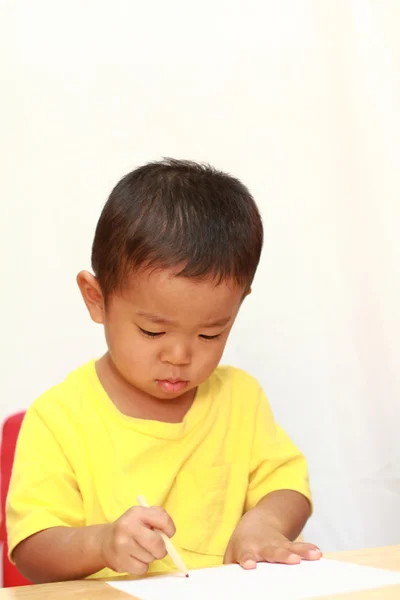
(155, 318)
(163, 321)
(218, 322)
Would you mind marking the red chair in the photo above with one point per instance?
(11, 576)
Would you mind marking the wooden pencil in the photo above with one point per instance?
(168, 544)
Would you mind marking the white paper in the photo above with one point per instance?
(275, 582)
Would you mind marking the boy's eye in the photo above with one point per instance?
(150, 333)
(210, 337)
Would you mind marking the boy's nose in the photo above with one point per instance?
(177, 355)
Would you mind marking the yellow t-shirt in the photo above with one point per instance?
(79, 462)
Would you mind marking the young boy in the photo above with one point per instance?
(174, 255)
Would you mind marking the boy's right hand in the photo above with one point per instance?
(130, 544)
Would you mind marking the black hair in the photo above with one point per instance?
(178, 213)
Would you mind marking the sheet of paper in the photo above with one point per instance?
(278, 582)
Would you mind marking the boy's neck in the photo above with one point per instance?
(135, 403)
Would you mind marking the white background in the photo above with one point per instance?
(301, 100)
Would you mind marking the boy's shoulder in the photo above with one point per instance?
(238, 384)
(236, 376)
(69, 394)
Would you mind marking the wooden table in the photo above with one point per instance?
(386, 558)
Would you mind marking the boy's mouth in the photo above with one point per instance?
(171, 386)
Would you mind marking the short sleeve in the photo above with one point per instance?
(276, 463)
(43, 491)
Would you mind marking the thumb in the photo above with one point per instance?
(247, 560)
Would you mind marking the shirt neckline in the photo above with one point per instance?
(151, 428)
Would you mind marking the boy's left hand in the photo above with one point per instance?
(256, 540)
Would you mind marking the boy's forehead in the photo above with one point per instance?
(169, 280)
(162, 293)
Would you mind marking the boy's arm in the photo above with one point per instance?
(47, 536)
(44, 500)
(128, 545)
(286, 511)
(60, 554)
(264, 533)
(278, 502)
(47, 532)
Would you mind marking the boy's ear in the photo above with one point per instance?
(247, 293)
(92, 295)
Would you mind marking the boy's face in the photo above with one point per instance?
(165, 334)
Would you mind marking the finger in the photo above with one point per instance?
(158, 518)
(247, 560)
(136, 567)
(130, 564)
(306, 551)
(137, 551)
(151, 541)
(279, 554)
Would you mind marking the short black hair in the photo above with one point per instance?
(178, 213)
